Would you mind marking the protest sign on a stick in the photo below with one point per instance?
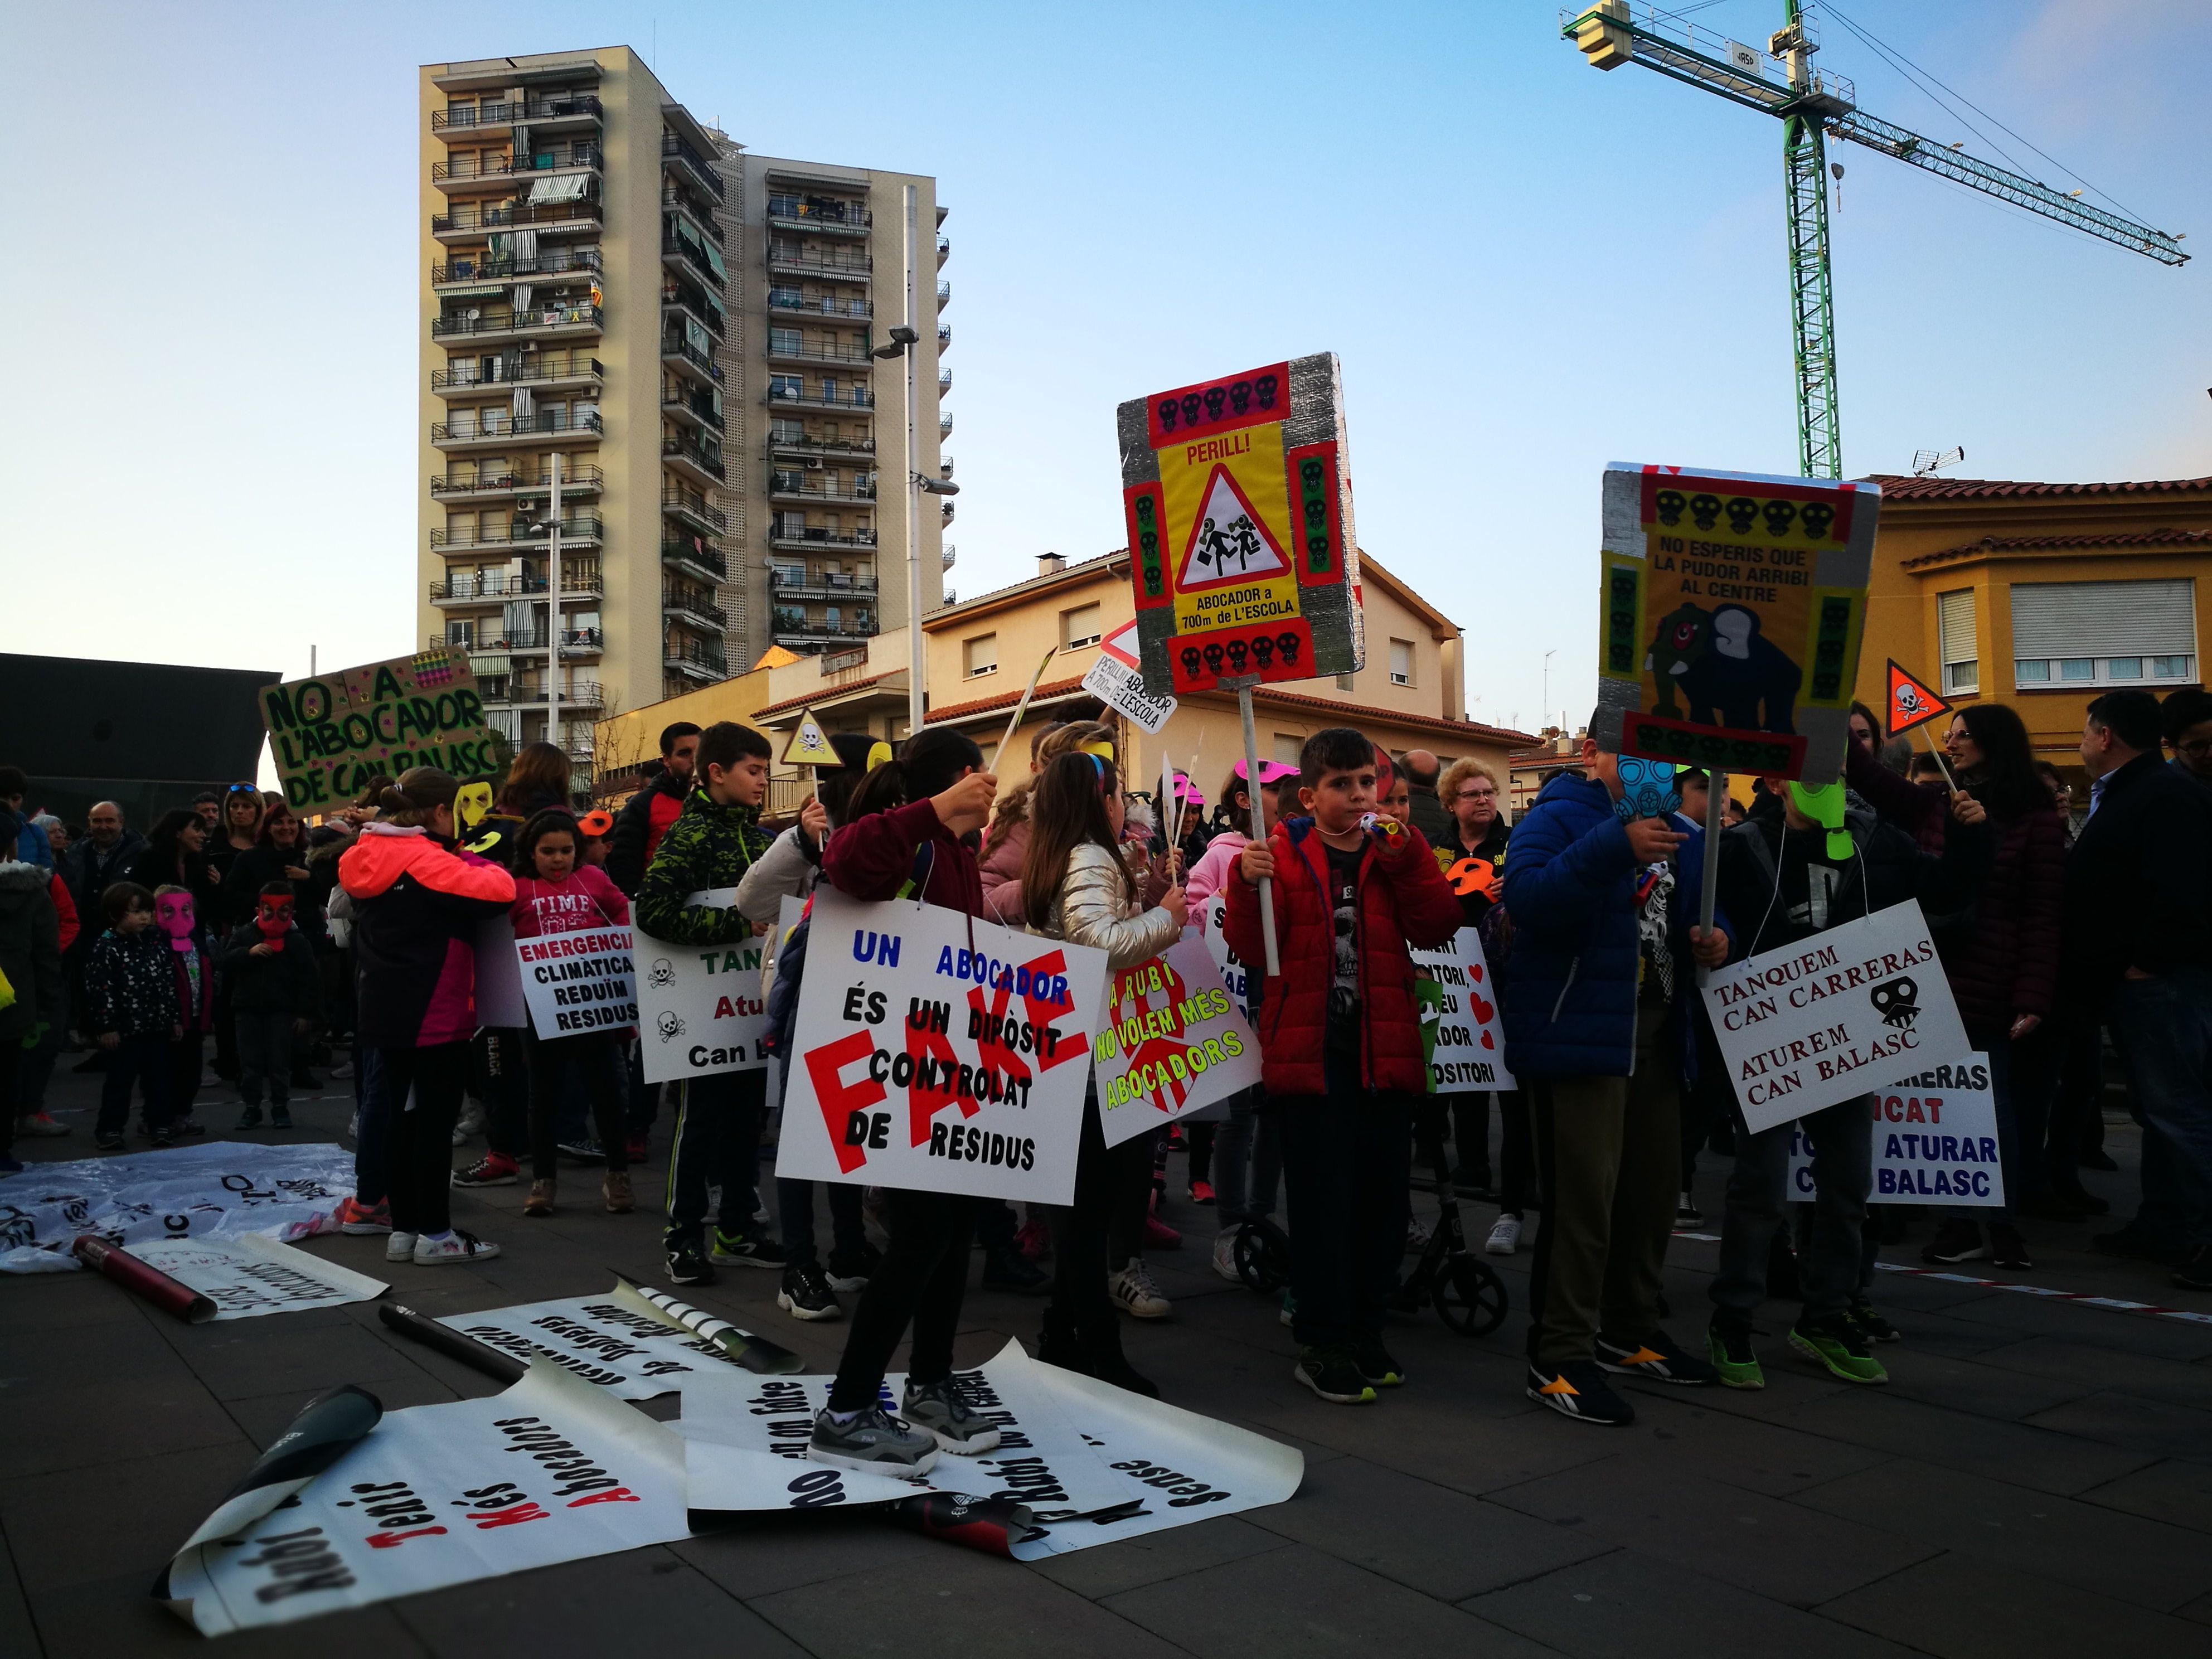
(1117, 679)
(1935, 1141)
(1466, 1043)
(331, 734)
(1845, 1013)
(938, 1053)
(1174, 1042)
(700, 1007)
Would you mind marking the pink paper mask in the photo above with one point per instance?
(175, 912)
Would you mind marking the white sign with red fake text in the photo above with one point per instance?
(938, 1053)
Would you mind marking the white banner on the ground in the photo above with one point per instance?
(1174, 1042)
(938, 1053)
(614, 1342)
(1843, 1012)
(577, 982)
(251, 1275)
(218, 1188)
(700, 1007)
(1469, 1051)
(1935, 1141)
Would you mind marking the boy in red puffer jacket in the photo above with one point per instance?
(1341, 1046)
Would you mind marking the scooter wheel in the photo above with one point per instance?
(1469, 1297)
(1263, 1257)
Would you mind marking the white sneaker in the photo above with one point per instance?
(1134, 1293)
(470, 1123)
(455, 1246)
(1504, 1236)
(400, 1247)
(1224, 1257)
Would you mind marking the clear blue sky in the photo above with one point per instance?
(1529, 267)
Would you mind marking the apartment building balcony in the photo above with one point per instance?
(944, 251)
(574, 641)
(689, 258)
(672, 201)
(821, 541)
(703, 660)
(687, 509)
(680, 158)
(581, 532)
(949, 556)
(562, 111)
(701, 465)
(519, 692)
(841, 220)
(944, 382)
(694, 559)
(464, 175)
(945, 423)
(944, 293)
(689, 360)
(799, 633)
(465, 222)
(795, 262)
(695, 610)
(944, 335)
(784, 398)
(476, 268)
(841, 356)
(797, 582)
(944, 513)
(548, 322)
(582, 480)
(804, 491)
(544, 371)
(475, 590)
(692, 409)
(676, 309)
(783, 304)
(827, 447)
(547, 426)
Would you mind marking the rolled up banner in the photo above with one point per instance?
(503, 1369)
(993, 1525)
(148, 1283)
(754, 1353)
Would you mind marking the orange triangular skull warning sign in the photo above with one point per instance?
(1229, 542)
(1911, 704)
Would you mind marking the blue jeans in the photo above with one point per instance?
(1248, 1160)
(2165, 1030)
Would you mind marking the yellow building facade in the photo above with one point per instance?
(2043, 596)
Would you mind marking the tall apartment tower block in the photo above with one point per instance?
(686, 329)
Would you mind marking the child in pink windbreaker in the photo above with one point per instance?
(557, 892)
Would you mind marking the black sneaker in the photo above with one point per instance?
(2007, 1247)
(581, 1151)
(1955, 1241)
(1657, 1357)
(2195, 1273)
(851, 1270)
(687, 1263)
(280, 1117)
(1687, 1214)
(747, 1250)
(1007, 1269)
(805, 1293)
(1334, 1374)
(111, 1141)
(1871, 1325)
(1375, 1364)
(249, 1117)
(1579, 1390)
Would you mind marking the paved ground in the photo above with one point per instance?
(2038, 1479)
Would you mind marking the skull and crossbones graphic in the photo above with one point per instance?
(1897, 1000)
(671, 1023)
(662, 975)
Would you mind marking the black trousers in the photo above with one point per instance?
(1082, 1232)
(1128, 1199)
(922, 1279)
(419, 1141)
(1347, 1155)
(596, 1058)
(717, 1143)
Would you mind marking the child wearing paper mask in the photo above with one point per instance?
(132, 1011)
(192, 975)
(1824, 860)
(275, 994)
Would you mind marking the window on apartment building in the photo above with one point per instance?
(1080, 627)
(981, 654)
(784, 341)
(2122, 634)
(1344, 682)
(1954, 636)
(787, 432)
(790, 298)
(1289, 746)
(829, 391)
(785, 385)
(1401, 662)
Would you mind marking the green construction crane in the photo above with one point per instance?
(1814, 106)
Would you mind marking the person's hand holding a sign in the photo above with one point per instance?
(1177, 905)
(814, 822)
(1709, 946)
(1650, 839)
(1256, 863)
(966, 804)
(1965, 809)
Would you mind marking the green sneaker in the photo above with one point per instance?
(1733, 1358)
(1836, 1343)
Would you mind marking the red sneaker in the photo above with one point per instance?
(492, 1169)
(358, 1218)
(638, 1150)
(1034, 1241)
(1202, 1191)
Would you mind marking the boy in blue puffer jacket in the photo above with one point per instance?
(1602, 944)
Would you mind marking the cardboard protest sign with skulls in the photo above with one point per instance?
(700, 1007)
(1841, 1013)
(1239, 503)
(1730, 614)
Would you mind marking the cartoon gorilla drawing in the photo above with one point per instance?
(1744, 680)
(1676, 648)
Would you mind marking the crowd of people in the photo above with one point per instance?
(231, 922)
